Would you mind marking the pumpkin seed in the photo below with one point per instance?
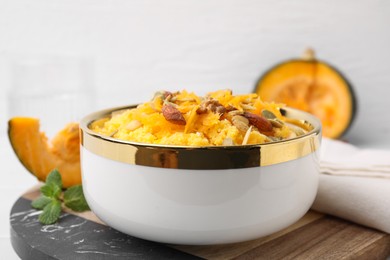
(296, 129)
(276, 123)
(268, 114)
(247, 107)
(300, 123)
(241, 123)
(163, 95)
(235, 113)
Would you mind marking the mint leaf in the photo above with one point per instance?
(74, 198)
(51, 191)
(53, 186)
(51, 212)
(40, 202)
(54, 178)
(51, 202)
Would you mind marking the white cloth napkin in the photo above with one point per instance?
(355, 184)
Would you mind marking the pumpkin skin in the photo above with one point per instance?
(313, 86)
(39, 156)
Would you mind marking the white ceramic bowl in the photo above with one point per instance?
(200, 195)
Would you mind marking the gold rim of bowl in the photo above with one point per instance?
(204, 157)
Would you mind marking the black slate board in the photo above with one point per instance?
(74, 238)
(84, 236)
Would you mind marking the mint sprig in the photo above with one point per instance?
(41, 202)
(51, 191)
(51, 212)
(50, 200)
(74, 198)
(54, 179)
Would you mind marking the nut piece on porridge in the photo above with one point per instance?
(219, 118)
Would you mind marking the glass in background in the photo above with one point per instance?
(57, 90)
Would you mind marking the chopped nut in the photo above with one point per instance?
(292, 135)
(187, 100)
(219, 109)
(235, 112)
(118, 112)
(228, 141)
(248, 107)
(219, 118)
(240, 122)
(134, 124)
(202, 109)
(246, 137)
(164, 95)
(230, 108)
(297, 130)
(212, 105)
(300, 123)
(258, 121)
(172, 114)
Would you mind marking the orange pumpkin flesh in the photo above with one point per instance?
(312, 86)
(40, 156)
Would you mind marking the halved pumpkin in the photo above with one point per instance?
(40, 156)
(313, 86)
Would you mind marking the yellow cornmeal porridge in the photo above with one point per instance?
(183, 118)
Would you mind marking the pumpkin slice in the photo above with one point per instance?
(40, 156)
(313, 86)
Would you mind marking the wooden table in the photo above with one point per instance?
(84, 236)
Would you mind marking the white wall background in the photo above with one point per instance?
(140, 46)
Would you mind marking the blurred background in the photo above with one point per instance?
(137, 47)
